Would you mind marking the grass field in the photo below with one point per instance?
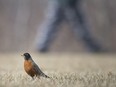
(65, 70)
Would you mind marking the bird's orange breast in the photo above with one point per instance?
(28, 66)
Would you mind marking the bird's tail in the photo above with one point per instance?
(45, 76)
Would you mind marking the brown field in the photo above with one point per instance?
(65, 70)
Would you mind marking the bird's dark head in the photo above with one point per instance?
(26, 56)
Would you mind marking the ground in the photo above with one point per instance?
(65, 70)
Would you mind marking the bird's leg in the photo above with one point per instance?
(34, 77)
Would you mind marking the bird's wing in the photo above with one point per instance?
(39, 71)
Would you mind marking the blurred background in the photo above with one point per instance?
(20, 21)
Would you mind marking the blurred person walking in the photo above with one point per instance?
(69, 10)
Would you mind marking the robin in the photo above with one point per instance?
(31, 67)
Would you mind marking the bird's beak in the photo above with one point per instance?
(22, 55)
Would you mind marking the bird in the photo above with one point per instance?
(32, 68)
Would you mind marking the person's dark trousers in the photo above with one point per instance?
(71, 12)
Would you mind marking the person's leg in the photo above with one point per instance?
(76, 19)
(49, 27)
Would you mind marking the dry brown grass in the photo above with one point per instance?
(65, 70)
